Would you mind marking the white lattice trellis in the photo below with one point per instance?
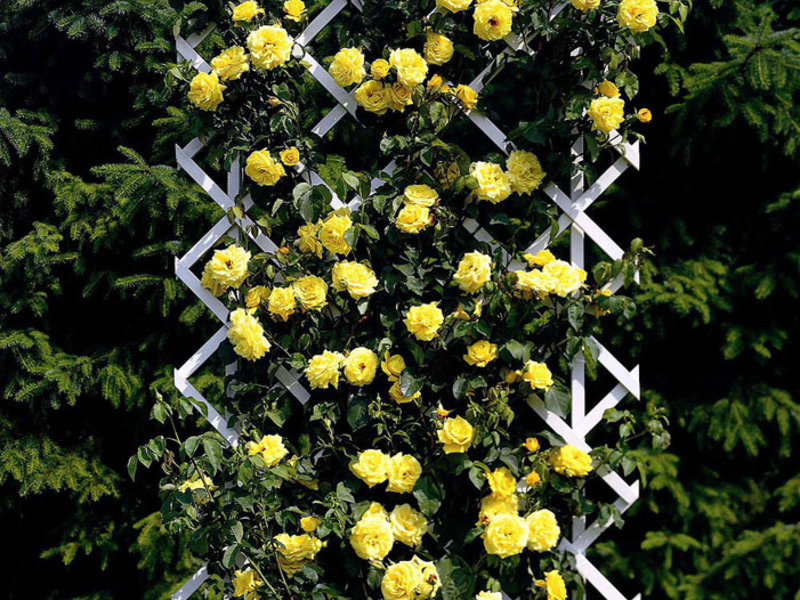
(573, 207)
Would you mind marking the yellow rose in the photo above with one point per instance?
(537, 375)
(331, 233)
(442, 413)
(408, 525)
(270, 448)
(282, 303)
(380, 68)
(245, 583)
(424, 321)
(488, 596)
(372, 467)
(494, 504)
(554, 583)
(404, 470)
(533, 479)
(247, 335)
(493, 183)
(585, 5)
(360, 366)
(228, 268)
(247, 11)
(438, 48)
(413, 218)
(311, 291)
(309, 524)
(372, 537)
(398, 96)
(467, 96)
(270, 47)
(474, 271)
(531, 444)
(524, 172)
(205, 486)
(637, 15)
(373, 97)
(420, 195)
(401, 581)
(205, 91)
(534, 283)
(543, 531)
(571, 461)
(358, 279)
(608, 89)
(393, 366)
(568, 279)
(454, 5)
(644, 115)
(396, 394)
(410, 66)
(256, 295)
(435, 84)
(493, 20)
(456, 434)
(323, 370)
(295, 10)
(539, 259)
(295, 551)
(506, 535)
(481, 353)
(607, 114)
(230, 65)
(502, 482)
(262, 169)
(347, 67)
(308, 240)
(430, 578)
(290, 156)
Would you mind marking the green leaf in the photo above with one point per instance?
(133, 462)
(409, 384)
(213, 452)
(557, 400)
(358, 412)
(428, 496)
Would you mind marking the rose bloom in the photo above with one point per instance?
(270, 448)
(424, 321)
(411, 67)
(393, 366)
(413, 218)
(568, 279)
(408, 525)
(295, 10)
(380, 68)
(438, 48)
(537, 375)
(533, 479)
(246, 582)
(373, 97)
(347, 67)
(205, 91)
(228, 268)
(506, 535)
(539, 259)
(372, 537)
(493, 183)
(554, 584)
(263, 169)
(360, 366)
(311, 292)
(247, 336)
(644, 115)
(290, 156)
(399, 96)
(308, 240)
(531, 444)
(282, 303)
(481, 353)
(247, 11)
(295, 551)
(309, 524)
(401, 581)
(404, 470)
(323, 370)
(534, 282)
(502, 482)
(637, 15)
(358, 279)
(467, 96)
(494, 504)
(270, 47)
(488, 596)
(396, 394)
(454, 5)
(430, 578)
(543, 531)
(608, 89)
(607, 114)
(420, 195)
(230, 64)
(474, 271)
(493, 20)
(456, 434)
(372, 467)
(331, 234)
(585, 5)
(524, 172)
(571, 461)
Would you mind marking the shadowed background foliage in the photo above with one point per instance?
(92, 320)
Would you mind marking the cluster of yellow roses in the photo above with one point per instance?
(414, 579)
(264, 170)
(553, 277)
(607, 111)
(359, 365)
(522, 176)
(492, 18)
(637, 15)
(375, 533)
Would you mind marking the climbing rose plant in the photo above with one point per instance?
(416, 469)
